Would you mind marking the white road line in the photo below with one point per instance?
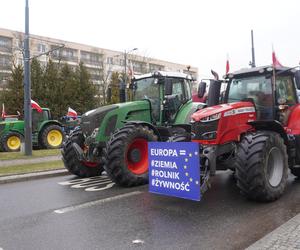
(93, 203)
(92, 189)
(78, 181)
(94, 183)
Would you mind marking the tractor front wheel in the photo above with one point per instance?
(52, 137)
(11, 142)
(72, 163)
(262, 166)
(127, 155)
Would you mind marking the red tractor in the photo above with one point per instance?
(253, 128)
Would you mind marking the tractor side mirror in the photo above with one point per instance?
(297, 78)
(201, 89)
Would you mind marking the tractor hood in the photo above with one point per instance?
(106, 118)
(215, 112)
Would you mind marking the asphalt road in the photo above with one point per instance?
(55, 213)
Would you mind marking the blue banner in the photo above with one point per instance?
(174, 169)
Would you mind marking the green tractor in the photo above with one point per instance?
(160, 101)
(46, 133)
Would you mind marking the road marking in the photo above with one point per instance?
(96, 183)
(91, 189)
(97, 202)
(78, 181)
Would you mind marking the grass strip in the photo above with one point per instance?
(28, 168)
(35, 154)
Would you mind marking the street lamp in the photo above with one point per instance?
(124, 84)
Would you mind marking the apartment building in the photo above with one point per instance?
(100, 62)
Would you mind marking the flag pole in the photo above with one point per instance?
(252, 51)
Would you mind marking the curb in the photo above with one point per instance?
(285, 237)
(33, 176)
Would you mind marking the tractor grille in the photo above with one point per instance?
(91, 121)
(205, 130)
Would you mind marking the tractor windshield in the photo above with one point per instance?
(146, 88)
(257, 89)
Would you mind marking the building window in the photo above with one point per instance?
(41, 48)
(91, 58)
(109, 60)
(5, 44)
(66, 54)
(154, 67)
(5, 62)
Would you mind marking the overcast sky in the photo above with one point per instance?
(192, 32)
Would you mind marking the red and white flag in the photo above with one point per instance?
(71, 112)
(34, 105)
(227, 65)
(275, 61)
(3, 114)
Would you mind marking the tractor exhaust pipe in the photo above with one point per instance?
(214, 90)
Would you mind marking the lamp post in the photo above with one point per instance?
(27, 87)
(124, 84)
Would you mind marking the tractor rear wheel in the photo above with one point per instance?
(52, 137)
(127, 155)
(262, 166)
(296, 171)
(72, 163)
(11, 142)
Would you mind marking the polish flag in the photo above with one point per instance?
(71, 112)
(3, 114)
(227, 65)
(34, 105)
(275, 61)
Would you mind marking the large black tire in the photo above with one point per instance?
(127, 155)
(262, 166)
(71, 161)
(52, 137)
(11, 142)
(296, 171)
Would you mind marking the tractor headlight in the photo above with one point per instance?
(211, 118)
(95, 132)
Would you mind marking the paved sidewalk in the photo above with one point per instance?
(6, 163)
(285, 237)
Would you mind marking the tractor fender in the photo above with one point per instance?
(17, 131)
(157, 130)
(270, 126)
(47, 123)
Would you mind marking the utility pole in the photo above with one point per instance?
(252, 50)
(27, 86)
(124, 84)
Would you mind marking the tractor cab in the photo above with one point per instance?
(167, 93)
(272, 100)
(39, 117)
